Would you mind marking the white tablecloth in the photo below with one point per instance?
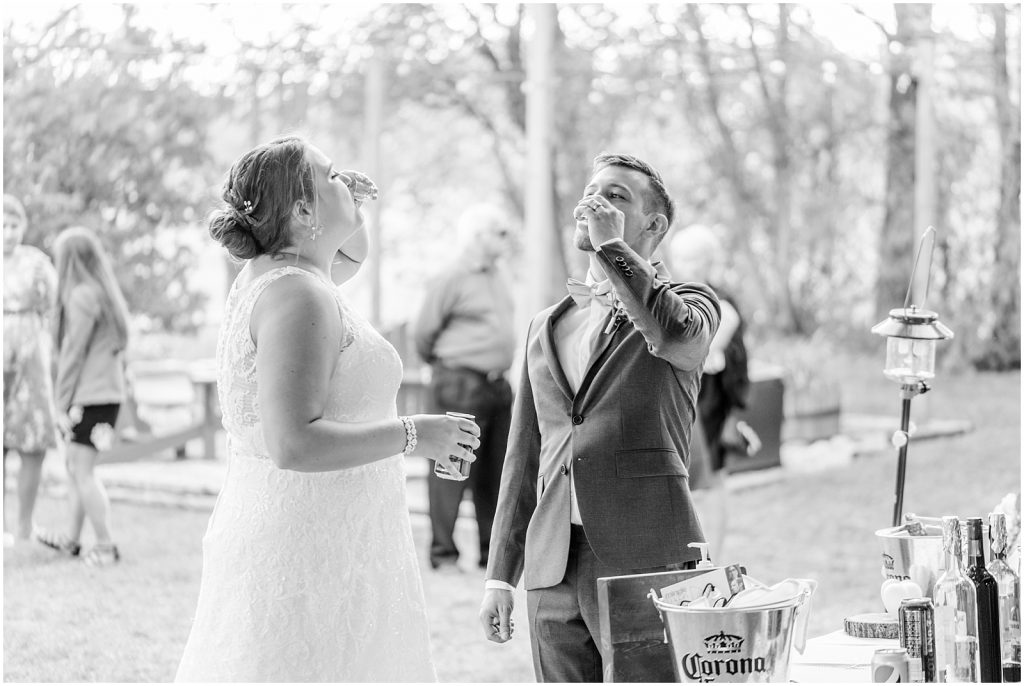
(836, 658)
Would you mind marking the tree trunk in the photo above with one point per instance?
(1001, 350)
(790, 321)
(750, 210)
(896, 243)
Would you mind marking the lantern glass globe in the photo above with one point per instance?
(909, 360)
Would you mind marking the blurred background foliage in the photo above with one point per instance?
(789, 128)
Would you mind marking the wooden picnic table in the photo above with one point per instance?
(138, 440)
(202, 374)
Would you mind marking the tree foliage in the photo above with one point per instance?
(798, 150)
(103, 130)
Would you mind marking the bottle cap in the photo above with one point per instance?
(997, 532)
(951, 534)
(974, 527)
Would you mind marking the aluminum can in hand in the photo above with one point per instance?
(462, 465)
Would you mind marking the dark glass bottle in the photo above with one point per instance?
(988, 605)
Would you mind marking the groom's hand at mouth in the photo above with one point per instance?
(496, 615)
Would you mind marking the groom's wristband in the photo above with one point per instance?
(499, 585)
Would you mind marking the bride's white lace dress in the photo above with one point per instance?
(308, 577)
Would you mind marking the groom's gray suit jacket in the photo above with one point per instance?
(625, 434)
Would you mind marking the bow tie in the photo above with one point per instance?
(583, 293)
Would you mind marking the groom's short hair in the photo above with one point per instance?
(657, 197)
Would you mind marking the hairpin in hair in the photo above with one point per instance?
(247, 205)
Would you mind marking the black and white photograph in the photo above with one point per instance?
(386, 342)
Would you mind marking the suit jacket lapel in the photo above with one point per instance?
(605, 340)
(547, 343)
(597, 356)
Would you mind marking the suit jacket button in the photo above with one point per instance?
(620, 259)
(577, 419)
(563, 469)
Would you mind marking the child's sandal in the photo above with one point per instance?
(102, 555)
(58, 542)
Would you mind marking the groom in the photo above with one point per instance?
(595, 481)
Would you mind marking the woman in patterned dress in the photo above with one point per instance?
(30, 286)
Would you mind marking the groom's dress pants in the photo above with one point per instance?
(489, 399)
(564, 625)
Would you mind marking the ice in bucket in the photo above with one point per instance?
(737, 644)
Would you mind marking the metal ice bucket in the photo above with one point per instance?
(916, 557)
(746, 645)
(919, 557)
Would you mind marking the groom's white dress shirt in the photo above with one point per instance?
(574, 339)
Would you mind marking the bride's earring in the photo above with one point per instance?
(315, 231)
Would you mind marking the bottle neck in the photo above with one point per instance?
(975, 555)
(953, 562)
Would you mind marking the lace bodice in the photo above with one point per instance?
(369, 365)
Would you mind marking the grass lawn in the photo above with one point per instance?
(64, 621)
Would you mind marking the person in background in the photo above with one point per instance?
(92, 334)
(697, 255)
(30, 290)
(464, 330)
(595, 481)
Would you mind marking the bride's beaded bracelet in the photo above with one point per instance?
(410, 434)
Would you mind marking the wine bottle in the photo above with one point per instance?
(987, 594)
(1008, 584)
(956, 610)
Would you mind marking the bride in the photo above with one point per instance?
(309, 570)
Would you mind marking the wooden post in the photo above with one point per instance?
(924, 148)
(373, 114)
(540, 250)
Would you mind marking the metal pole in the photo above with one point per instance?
(901, 469)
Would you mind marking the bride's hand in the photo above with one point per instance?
(438, 436)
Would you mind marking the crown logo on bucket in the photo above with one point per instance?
(723, 643)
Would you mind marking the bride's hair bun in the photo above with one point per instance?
(259, 193)
(230, 228)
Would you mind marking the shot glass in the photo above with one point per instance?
(462, 465)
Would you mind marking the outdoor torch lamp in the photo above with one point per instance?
(910, 346)
(911, 334)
